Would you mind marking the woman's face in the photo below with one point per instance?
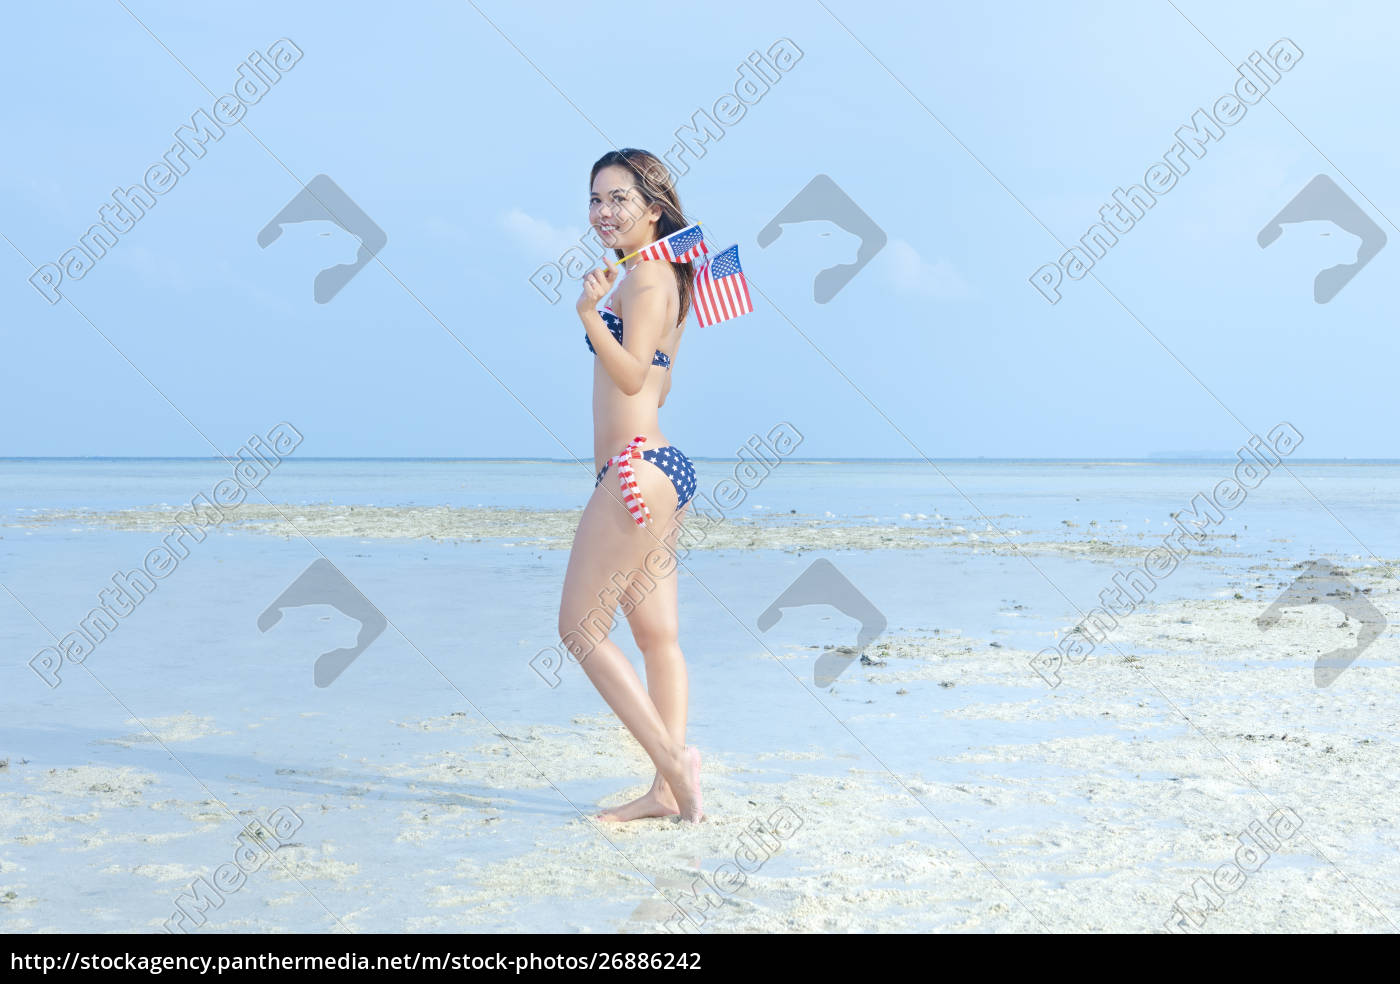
(618, 212)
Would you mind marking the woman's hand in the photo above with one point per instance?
(596, 284)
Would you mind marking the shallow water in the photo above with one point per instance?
(417, 814)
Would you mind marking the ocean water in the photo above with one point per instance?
(1341, 510)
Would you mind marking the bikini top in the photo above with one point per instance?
(614, 324)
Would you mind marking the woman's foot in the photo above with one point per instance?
(687, 786)
(653, 803)
(658, 801)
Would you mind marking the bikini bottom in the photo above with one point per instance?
(676, 465)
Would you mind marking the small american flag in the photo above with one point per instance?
(678, 247)
(721, 292)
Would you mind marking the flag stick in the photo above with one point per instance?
(647, 246)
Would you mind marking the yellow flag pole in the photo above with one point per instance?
(647, 246)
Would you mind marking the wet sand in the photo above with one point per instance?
(554, 529)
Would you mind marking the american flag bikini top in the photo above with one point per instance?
(614, 324)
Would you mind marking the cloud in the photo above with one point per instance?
(909, 272)
(537, 235)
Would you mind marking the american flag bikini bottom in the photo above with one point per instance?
(676, 465)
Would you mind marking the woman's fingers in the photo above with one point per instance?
(599, 280)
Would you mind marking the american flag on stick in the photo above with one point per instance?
(678, 247)
(721, 292)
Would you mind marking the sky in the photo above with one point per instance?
(981, 141)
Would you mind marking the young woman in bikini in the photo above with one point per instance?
(644, 484)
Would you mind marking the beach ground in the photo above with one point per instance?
(1189, 772)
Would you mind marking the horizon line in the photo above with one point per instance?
(1154, 459)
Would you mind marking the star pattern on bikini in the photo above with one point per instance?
(678, 469)
(614, 324)
(675, 466)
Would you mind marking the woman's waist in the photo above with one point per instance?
(610, 445)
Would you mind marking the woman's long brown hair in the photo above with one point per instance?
(655, 186)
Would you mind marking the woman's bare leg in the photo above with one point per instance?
(655, 625)
(609, 547)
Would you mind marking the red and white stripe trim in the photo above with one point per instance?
(631, 493)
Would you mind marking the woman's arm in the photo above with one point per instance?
(644, 300)
(627, 371)
(666, 386)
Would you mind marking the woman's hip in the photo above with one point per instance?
(669, 459)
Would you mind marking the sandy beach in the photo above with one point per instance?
(939, 784)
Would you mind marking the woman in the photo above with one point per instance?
(643, 484)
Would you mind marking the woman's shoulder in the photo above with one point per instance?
(650, 273)
(645, 278)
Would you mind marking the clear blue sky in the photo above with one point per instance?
(436, 123)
